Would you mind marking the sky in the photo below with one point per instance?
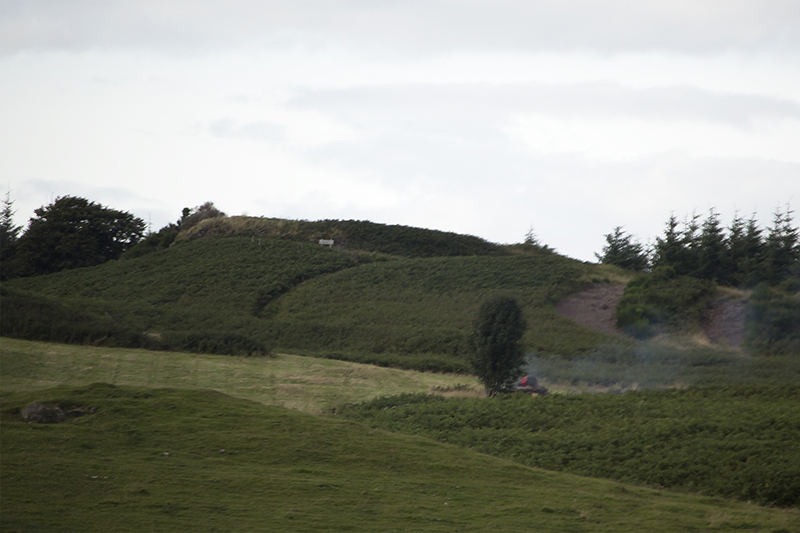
(482, 117)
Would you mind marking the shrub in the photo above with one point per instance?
(497, 356)
(663, 301)
(773, 320)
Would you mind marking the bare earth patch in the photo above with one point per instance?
(595, 308)
(723, 322)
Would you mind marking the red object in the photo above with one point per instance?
(524, 381)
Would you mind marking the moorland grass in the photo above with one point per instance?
(737, 441)
(425, 305)
(308, 384)
(359, 235)
(187, 460)
(249, 295)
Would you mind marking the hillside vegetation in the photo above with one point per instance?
(405, 241)
(386, 295)
(178, 460)
(263, 286)
(736, 442)
(309, 384)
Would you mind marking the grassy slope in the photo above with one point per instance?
(736, 442)
(309, 384)
(301, 296)
(167, 460)
(419, 305)
(201, 285)
(359, 235)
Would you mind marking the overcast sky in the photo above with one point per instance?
(485, 117)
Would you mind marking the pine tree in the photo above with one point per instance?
(690, 241)
(711, 251)
(9, 238)
(9, 233)
(781, 250)
(669, 251)
(621, 251)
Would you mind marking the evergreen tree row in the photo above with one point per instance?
(742, 255)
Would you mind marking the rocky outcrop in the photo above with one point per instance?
(38, 412)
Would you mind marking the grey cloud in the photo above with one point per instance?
(402, 27)
(261, 131)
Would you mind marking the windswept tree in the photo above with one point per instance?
(497, 356)
(73, 232)
(622, 251)
(191, 217)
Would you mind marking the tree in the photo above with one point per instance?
(497, 357)
(191, 217)
(669, 250)
(9, 236)
(781, 249)
(73, 232)
(9, 233)
(712, 251)
(621, 251)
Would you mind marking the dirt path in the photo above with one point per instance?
(594, 308)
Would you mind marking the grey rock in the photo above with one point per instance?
(37, 412)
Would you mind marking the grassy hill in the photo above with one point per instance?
(248, 285)
(404, 241)
(181, 460)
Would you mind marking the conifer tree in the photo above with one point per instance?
(781, 250)
(620, 250)
(711, 251)
(9, 233)
(669, 250)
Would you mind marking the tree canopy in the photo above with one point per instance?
(73, 232)
(497, 357)
(622, 251)
(741, 255)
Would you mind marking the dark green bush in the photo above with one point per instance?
(773, 320)
(36, 317)
(221, 343)
(663, 301)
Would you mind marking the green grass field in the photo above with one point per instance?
(308, 384)
(200, 442)
(187, 460)
(152, 459)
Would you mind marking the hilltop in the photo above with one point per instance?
(387, 295)
(383, 294)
